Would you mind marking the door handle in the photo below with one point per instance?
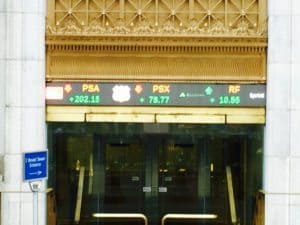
(147, 189)
(162, 189)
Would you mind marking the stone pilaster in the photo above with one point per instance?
(282, 152)
(22, 117)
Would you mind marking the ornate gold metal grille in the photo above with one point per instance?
(157, 17)
(167, 40)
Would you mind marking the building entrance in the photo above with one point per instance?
(154, 174)
(103, 172)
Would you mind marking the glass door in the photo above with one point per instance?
(119, 177)
(153, 174)
(178, 176)
(124, 176)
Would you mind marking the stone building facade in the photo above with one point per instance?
(227, 41)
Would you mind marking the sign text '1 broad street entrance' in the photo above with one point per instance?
(156, 94)
(35, 165)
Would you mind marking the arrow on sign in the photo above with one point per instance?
(36, 173)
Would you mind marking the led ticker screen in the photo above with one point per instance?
(156, 94)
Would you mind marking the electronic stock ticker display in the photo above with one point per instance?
(155, 94)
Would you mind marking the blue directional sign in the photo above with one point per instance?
(35, 165)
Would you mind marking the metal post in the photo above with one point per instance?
(35, 208)
(35, 187)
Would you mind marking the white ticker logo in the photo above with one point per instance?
(121, 93)
(54, 93)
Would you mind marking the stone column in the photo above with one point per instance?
(282, 140)
(22, 107)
